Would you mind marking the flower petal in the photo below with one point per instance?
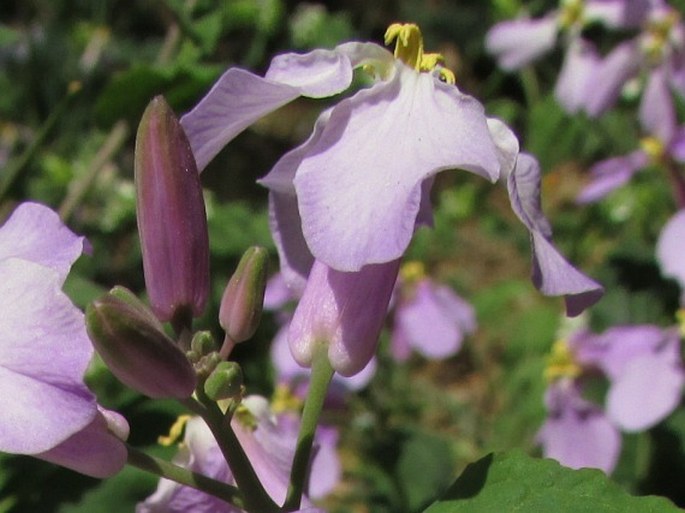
(434, 320)
(316, 74)
(576, 78)
(657, 111)
(44, 352)
(617, 13)
(610, 174)
(649, 387)
(93, 451)
(523, 185)
(516, 43)
(577, 433)
(363, 176)
(670, 248)
(35, 233)
(554, 276)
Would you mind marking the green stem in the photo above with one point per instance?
(257, 500)
(322, 372)
(185, 477)
(14, 169)
(115, 139)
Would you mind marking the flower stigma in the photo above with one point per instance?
(561, 363)
(409, 49)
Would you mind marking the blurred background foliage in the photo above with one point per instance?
(75, 76)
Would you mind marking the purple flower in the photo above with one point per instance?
(516, 43)
(670, 249)
(658, 52)
(644, 369)
(428, 317)
(268, 440)
(48, 412)
(645, 372)
(577, 433)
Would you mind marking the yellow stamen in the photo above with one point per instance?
(175, 432)
(409, 49)
(284, 400)
(561, 362)
(653, 147)
(245, 417)
(412, 271)
(571, 13)
(680, 317)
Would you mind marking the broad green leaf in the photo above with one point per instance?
(514, 482)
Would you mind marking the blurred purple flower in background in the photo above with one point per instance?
(643, 366)
(268, 439)
(427, 317)
(670, 250)
(48, 412)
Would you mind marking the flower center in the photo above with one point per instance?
(561, 363)
(571, 13)
(658, 35)
(412, 272)
(409, 49)
(653, 147)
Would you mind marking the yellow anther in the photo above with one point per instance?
(653, 147)
(245, 417)
(412, 271)
(680, 317)
(571, 13)
(408, 43)
(561, 363)
(284, 400)
(175, 431)
(409, 49)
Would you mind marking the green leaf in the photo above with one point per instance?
(514, 482)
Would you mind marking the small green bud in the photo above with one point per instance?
(242, 302)
(137, 352)
(202, 343)
(225, 382)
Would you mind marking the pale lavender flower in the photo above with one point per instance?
(48, 412)
(645, 372)
(428, 317)
(644, 369)
(577, 433)
(658, 53)
(268, 440)
(347, 201)
(670, 250)
(517, 43)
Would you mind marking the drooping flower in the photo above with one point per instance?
(268, 440)
(427, 317)
(645, 372)
(48, 412)
(348, 200)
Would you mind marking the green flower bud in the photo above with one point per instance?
(225, 382)
(242, 302)
(136, 350)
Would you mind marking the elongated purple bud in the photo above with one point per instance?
(171, 216)
(136, 350)
(243, 299)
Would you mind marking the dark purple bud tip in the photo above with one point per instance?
(172, 223)
(136, 350)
